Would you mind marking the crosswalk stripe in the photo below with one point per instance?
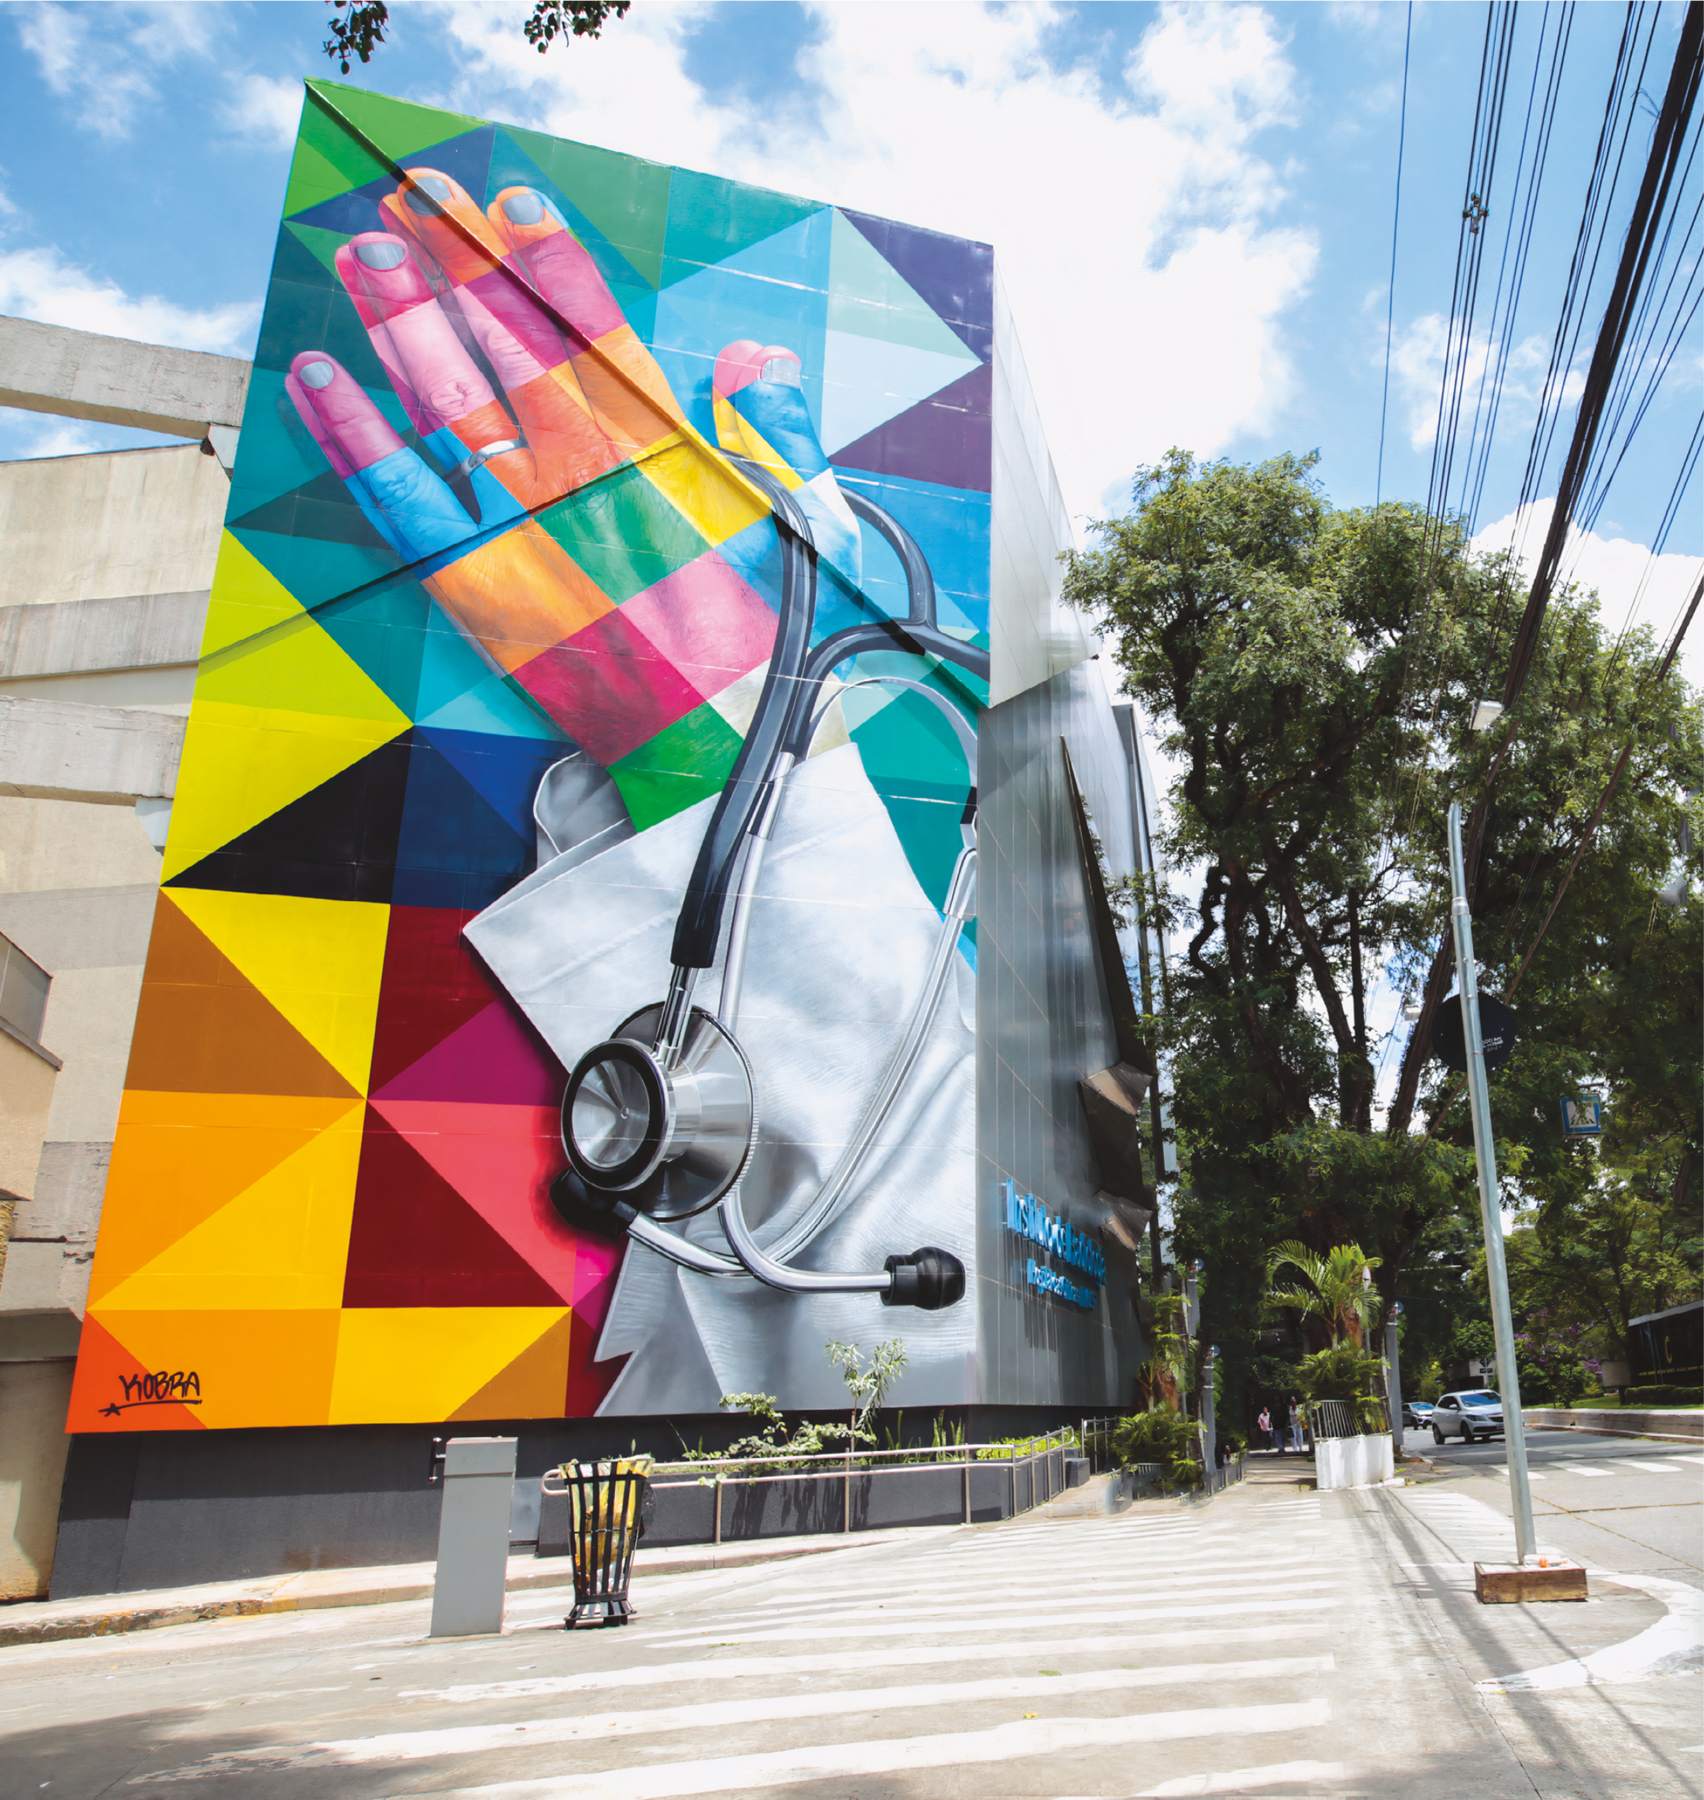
(1244, 1781)
(1059, 1594)
(1044, 1616)
(1182, 1573)
(1005, 1743)
(472, 1740)
(746, 1668)
(1576, 1468)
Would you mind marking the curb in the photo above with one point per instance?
(1649, 1437)
(318, 1590)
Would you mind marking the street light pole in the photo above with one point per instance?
(1490, 1206)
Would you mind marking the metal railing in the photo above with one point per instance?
(1338, 1419)
(1034, 1465)
(1147, 1478)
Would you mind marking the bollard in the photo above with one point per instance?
(473, 1536)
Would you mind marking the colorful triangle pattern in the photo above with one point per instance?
(329, 1195)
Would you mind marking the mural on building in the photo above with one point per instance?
(594, 659)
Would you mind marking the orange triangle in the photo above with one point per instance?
(202, 1027)
(114, 1390)
(531, 1387)
(179, 1158)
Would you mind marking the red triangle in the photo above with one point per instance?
(588, 1382)
(496, 1057)
(414, 1241)
(432, 985)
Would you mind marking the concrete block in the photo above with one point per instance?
(1506, 1583)
(30, 1283)
(82, 928)
(26, 1101)
(80, 375)
(70, 1184)
(33, 1399)
(123, 631)
(473, 1536)
(57, 750)
(112, 525)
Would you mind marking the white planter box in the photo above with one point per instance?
(1353, 1462)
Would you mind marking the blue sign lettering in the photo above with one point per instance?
(1030, 1219)
(1050, 1281)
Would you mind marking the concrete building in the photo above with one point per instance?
(103, 589)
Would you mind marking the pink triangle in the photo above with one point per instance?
(494, 1057)
(501, 1160)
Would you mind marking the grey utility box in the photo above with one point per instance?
(473, 1536)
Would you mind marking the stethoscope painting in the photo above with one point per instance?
(660, 1119)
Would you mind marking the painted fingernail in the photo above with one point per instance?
(524, 207)
(316, 374)
(433, 185)
(782, 370)
(381, 253)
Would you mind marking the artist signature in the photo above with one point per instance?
(179, 1388)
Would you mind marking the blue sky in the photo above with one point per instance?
(1192, 207)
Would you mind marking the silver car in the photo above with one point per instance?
(1472, 1414)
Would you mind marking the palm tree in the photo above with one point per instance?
(1337, 1293)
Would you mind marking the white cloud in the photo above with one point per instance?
(1417, 361)
(266, 108)
(1634, 587)
(111, 73)
(1135, 242)
(40, 284)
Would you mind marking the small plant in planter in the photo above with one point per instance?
(1164, 1436)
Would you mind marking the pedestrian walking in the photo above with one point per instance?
(1265, 1424)
(1298, 1428)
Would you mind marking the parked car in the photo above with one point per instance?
(1472, 1414)
(1417, 1413)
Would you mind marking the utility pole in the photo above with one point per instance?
(1490, 1206)
(1393, 1379)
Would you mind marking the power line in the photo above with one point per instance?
(1395, 222)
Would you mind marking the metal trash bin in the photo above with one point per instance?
(609, 1506)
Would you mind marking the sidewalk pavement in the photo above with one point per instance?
(105, 1615)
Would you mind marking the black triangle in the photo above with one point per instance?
(337, 842)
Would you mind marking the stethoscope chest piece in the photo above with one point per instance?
(667, 1130)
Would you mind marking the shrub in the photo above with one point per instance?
(1663, 1394)
(1160, 1436)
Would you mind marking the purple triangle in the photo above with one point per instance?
(492, 1060)
(947, 439)
(955, 276)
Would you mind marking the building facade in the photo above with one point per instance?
(634, 903)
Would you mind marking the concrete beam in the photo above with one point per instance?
(78, 375)
(58, 750)
(75, 637)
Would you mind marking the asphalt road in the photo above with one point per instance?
(1273, 1641)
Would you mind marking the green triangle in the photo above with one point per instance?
(711, 219)
(398, 127)
(313, 178)
(624, 197)
(686, 762)
(870, 298)
(321, 244)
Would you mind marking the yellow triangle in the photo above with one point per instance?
(298, 665)
(419, 1363)
(247, 598)
(317, 961)
(241, 764)
(280, 1245)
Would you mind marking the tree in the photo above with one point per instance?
(1314, 673)
(358, 28)
(1336, 1294)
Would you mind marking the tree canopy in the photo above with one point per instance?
(358, 26)
(1313, 673)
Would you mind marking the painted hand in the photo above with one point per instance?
(586, 446)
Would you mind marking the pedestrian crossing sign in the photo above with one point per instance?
(1582, 1116)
